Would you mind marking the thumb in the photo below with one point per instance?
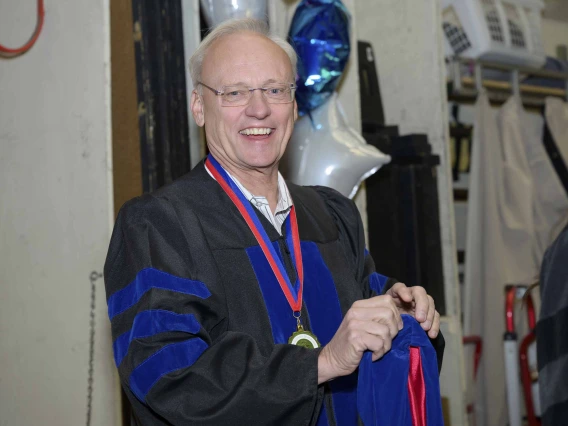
(403, 292)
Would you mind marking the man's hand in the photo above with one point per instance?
(369, 325)
(416, 302)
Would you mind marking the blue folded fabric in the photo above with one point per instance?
(382, 390)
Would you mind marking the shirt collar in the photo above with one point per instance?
(284, 203)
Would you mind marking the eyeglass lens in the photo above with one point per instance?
(241, 95)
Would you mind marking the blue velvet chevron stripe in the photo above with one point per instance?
(151, 322)
(324, 311)
(282, 322)
(382, 392)
(377, 282)
(170, 358)
(150, 278)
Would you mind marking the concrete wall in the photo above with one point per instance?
(553, 34)
(556, 10)
(55, 215)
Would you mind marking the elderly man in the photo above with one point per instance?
(236, 298)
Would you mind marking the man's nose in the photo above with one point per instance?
(258, 106)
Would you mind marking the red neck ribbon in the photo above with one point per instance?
(247, 212)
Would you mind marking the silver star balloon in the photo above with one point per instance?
(217, 11)
(327, 151)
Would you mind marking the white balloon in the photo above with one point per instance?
(330, 153)
(217, 11)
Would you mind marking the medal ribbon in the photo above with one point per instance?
(250, 217)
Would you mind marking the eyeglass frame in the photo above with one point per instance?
(293, 88)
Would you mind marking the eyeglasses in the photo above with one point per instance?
(240, 95)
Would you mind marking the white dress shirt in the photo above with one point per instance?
(261, 203)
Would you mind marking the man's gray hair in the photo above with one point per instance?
(234, 26)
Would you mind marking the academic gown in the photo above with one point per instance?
(551, 330)
(199, 323)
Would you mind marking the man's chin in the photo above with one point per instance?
(260, 161)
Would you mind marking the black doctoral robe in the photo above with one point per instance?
(199, 323)
(552, 333)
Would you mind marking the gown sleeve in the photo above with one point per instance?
(177, 360)
(352, 237)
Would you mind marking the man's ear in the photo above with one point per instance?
(197, 108)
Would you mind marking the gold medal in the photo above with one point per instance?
(304, 338)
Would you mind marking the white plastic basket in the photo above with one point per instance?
(504, 31)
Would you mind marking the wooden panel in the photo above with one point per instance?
(127, 171)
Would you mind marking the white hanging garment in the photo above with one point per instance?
(521, 137)
(483, 244)
(516, 204)
(499, 247)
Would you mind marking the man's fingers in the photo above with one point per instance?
(376, 305)
(379, 341)
(397, 319)
(401, 291)
(422, 303)
(391, 324)
(368, 335)
(375, 302)
(383, 331)
(426, 325)
(385, 315)
(368, 325)
(435, 329)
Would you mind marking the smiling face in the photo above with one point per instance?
(253, 136)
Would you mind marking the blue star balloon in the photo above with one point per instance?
(319, 33)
